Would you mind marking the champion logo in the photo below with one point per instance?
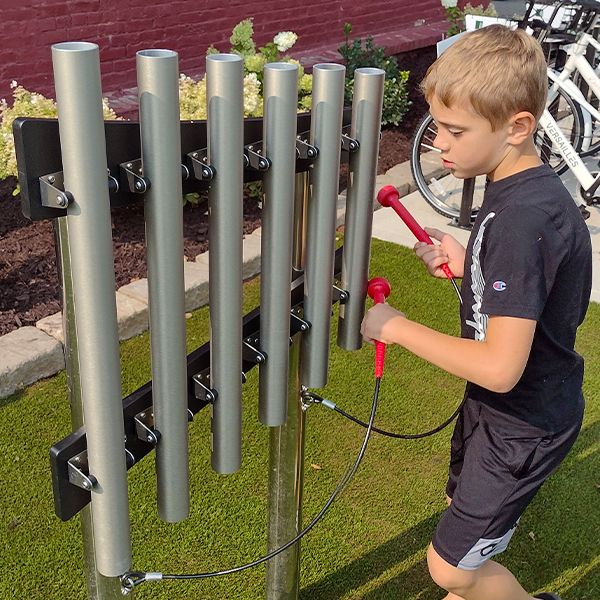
(499, 286)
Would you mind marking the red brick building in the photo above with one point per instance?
(29, 27)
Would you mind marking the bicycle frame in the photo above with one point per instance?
(576, 62)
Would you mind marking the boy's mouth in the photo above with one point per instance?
(447, 164)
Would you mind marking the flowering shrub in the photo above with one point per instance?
(26, 104)
(456, 16)
(192, 95)
(395, 92)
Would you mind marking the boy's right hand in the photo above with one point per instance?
(448, 251)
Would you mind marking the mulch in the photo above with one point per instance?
(29, 283)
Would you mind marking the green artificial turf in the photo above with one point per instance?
(370, 545)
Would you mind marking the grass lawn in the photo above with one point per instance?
(370, 545)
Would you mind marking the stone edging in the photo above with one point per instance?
(32, 353)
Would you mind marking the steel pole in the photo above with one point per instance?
(279, 135)
(98, 586)
(286, 474)
(83, 148)
(224, 93)
(158, 75)
(326, 135)
(366, 125)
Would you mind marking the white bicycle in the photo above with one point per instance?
(568, 129)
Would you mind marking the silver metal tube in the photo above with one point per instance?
(300, 217)
(279, 138)
(224, 91)
(286, 473)
(366, 125)
(325, 134)
(157, 76)
(79, 98)
(98, 586)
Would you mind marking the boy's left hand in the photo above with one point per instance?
(378, 324)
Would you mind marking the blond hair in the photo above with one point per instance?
(499, 71)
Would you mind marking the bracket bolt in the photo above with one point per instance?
(61, 200)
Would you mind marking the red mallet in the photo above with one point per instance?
(388, 196)
(379, 289)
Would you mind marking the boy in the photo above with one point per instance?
(526, 285)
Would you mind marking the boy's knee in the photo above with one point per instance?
(446, 576)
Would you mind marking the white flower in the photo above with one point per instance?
(284, 40)
(13, 84)
(449, 3)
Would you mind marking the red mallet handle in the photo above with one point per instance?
(379, 289)
(388, 196)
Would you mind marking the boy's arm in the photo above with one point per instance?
(495, 364)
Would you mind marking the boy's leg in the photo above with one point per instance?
(491, 581)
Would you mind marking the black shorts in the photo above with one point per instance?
(497, 465)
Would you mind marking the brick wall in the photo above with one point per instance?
(28, 28)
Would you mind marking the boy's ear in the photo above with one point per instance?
(520, 127)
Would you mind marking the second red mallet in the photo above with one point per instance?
(379, 289)
(388, 196)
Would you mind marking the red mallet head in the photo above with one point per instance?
(378, 288)
(387, 195)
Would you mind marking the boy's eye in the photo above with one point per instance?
(455, 132)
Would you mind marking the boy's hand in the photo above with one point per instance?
(379, 324)
(448, 251)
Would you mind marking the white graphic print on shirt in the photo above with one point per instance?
(480, 320)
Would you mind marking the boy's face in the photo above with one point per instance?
(467, 143)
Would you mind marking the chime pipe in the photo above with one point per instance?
(365, 128)
(279, 136)
(76, 68)
(158, 92)
(224, 99)
(325, 134)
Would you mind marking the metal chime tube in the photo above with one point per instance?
(325, 134)
(279, 135)
(98, 586)
(79, 98)
(224, 77)
(366, 124)
(157, 74)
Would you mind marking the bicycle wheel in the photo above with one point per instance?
(437, 185)
(567, 114)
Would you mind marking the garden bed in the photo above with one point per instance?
(28, 275)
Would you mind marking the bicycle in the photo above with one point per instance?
(565, 129)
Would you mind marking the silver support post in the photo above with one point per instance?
(98, 586)
(366, 125)
(224, 91)
(81, 126)
(279, 135)
(326, 135)
(161, 160)
(300, 217)
(286, 473)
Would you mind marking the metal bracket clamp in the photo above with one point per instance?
(340, 295)
(305, 151)
(250, 351)
(253, 158)
(144, 427)
(297, 323)
(202, 389)
(79, 474)
(131, 173)
(52, 191)
(198, 161)
(349, 144)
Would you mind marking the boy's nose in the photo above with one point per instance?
(440, 143)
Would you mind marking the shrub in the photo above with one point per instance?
(356, 55)
(26, 104)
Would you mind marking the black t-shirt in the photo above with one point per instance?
(529, 256)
